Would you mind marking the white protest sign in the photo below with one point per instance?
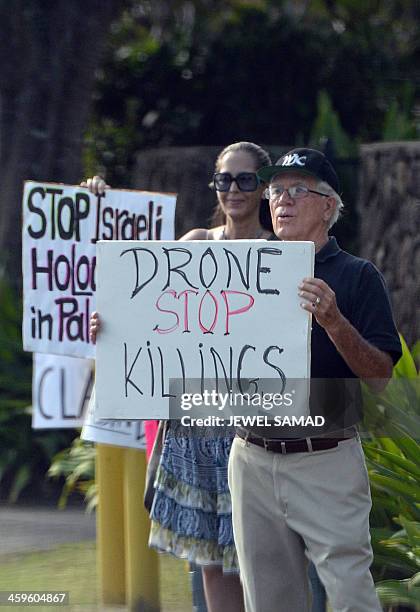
(115, 432)
(197, 310)
(61, 225)
(61, 389)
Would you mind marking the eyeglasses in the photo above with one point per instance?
(246, 181)
(297, 192)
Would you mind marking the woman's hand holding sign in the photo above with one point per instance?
(96, 185)
(95, 326)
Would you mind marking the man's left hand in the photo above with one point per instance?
(320, 301)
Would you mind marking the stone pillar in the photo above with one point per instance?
(183, 170)
(389, 210)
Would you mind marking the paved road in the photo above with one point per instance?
(24, 529)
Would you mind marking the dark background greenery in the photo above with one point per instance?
(210, 73)
(25, 454)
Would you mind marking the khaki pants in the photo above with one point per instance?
(283, 505)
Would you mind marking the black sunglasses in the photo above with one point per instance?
(246, 181)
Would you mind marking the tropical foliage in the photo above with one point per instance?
(77, 465)
(393, 451)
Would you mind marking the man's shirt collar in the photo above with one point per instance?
(330, 249)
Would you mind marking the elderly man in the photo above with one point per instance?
(312, 494)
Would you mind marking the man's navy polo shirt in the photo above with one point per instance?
(363, 299)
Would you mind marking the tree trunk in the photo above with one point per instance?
(389, 209)
(49, 52)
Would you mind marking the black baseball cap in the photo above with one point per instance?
(306, 161)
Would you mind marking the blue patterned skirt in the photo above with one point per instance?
(191, 512)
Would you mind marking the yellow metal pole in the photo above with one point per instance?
(110, 523)
(142, 568)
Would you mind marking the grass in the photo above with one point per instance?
(72, 567)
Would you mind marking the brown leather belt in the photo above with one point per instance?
(306, 445)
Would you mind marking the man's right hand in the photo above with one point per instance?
(95, 326)
(96, 185)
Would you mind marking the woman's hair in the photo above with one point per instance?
(261, 158)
